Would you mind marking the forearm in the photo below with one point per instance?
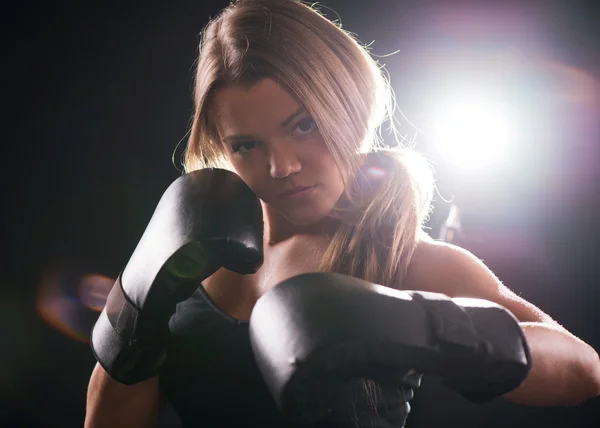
(112, 404)
(565, 370)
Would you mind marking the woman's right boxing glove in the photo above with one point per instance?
(205, 220)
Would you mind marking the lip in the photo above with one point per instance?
(298, 192)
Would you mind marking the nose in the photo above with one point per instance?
(283, 161)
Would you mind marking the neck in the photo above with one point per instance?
(278, 229)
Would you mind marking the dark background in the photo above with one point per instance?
(97, 95)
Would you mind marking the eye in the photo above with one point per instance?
(305, 127)
(243, 147)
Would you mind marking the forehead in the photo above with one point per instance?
(252, 110)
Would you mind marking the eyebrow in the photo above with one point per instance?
(283, 124)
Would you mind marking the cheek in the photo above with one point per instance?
(330, 174)
(252, 176)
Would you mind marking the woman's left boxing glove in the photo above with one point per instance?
(316, 331)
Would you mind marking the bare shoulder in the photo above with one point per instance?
(435, 266)
(448, 269)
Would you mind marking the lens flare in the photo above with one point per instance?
(472, 134)
(376, 172)
(70, 302)
(93, 291)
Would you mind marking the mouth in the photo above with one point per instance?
(297, 191)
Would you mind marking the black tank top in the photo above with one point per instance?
(211, 378)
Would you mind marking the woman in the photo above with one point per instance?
(293, 104)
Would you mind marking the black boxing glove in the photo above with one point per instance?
(205, 220)
(485, 350)
(318, 330)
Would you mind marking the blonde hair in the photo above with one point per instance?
(349, 97)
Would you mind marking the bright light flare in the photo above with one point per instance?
(70, 302)
(471, 134)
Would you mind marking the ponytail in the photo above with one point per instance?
(385, 209)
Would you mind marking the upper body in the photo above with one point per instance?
(304, 139)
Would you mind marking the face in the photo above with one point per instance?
(276, 148)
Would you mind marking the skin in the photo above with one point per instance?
(274, 146)
(273, 159)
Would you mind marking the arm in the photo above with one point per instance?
(112, 404)
(565, 370)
